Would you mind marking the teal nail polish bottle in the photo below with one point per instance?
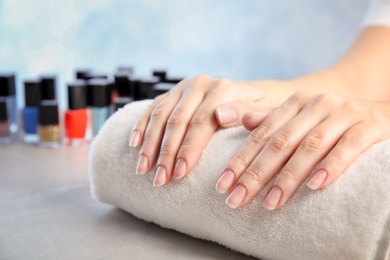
(100, 103)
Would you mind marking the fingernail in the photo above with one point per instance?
(236, 197)
(273, 198)
(180, 169)
(135, 138)
(161, 176)
(226, 114)
(224, 182)
(317, 180)
(142, 165)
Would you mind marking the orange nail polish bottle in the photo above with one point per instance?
(76, 118)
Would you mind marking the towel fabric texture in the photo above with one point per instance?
(350, 219)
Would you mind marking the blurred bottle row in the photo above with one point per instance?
(92, 98)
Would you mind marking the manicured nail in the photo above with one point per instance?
(273, 198)
(135, 139)
(180, 169)
(226, 114)
(236, 197)
(317, 180)
(160, 177)
(224, 182)
(142, 165)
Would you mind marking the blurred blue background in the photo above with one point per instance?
(250, 39)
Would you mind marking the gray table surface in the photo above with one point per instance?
(46, 212)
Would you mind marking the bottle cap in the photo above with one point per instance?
(96, 76)
(77, 95)
(122, 84)
(162, 74)
(99, 92)
(48, 112)
(32, 93)
(48, 87)
(125, 69)
(7, 85)
(121, 102)
(3, 109)
(82, 73)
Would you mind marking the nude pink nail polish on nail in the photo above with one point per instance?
(226, 114)
(180, 169)
(135, 139)
(224, 182)
(142, 165)
(317, 180)
(236, 197)
(273, 198)
(160, 177)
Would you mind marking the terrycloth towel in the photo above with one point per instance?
(348, 220)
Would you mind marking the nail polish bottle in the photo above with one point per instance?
(5, 132)
(122, 84)
(120, 102)
(135, 88)
(48, 87)
(76, 117)
(8, 91)
(48, 128)
(32, 97)
(100, 105)
(146, 87)
(82, 73)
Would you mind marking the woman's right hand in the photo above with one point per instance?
(178, 125)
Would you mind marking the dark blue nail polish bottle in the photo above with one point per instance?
(32, 94)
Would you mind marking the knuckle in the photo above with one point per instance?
(167, 151)
(260, 135)
(288, 175)
(337, 160)
(353, 139)
(279, 142)
(158, 112)
(200, 119)
(254, 174)
(175, 120)
(149, 142)
(240, 160)
(313, 142)
(221, 84)
(199, 79)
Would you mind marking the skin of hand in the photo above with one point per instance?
(327, 130)
(178, 125)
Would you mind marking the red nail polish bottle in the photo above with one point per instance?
(76, 118)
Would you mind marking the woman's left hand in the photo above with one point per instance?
(309, 134)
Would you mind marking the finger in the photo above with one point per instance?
(251, 120)
(255, 143)
(136, 135)
(352, 144)
(230, 114)
(313, 148)
(175, 131)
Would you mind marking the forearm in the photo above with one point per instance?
(363, 73)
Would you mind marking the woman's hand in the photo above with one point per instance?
(177, 126)
(308, 135)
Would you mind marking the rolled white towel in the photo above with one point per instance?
(348, 220)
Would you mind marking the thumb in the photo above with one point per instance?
(230, 114)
